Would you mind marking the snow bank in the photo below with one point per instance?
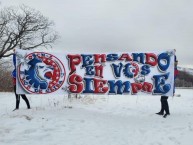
(96, 120)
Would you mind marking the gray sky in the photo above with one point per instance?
(119, 25)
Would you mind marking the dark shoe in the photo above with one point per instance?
(16, 109)
(165, 115)
(160, 113)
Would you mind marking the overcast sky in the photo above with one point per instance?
(119, 25)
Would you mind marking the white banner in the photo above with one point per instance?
(103, 73)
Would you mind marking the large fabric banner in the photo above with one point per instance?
(131, 73)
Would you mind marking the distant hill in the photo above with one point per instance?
(185, 77)
(186, 69)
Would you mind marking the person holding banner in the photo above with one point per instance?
(164, 102)
(14, 84)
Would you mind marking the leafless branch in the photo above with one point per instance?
(25, 28)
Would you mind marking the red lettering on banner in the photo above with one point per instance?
(76, 85)
(147, 87)
(151, 59)
(73, 61)
(136, 87)
(99, 56)
(99, 86)
(99, 71)
(126, 57)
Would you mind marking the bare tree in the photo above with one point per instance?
(25, 28)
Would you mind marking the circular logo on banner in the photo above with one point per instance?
(42, 73)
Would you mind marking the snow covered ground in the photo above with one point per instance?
(96, 120)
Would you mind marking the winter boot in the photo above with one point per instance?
(160, 113)
(165, 115)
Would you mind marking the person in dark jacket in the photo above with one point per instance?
(14, 84)
(164, 99)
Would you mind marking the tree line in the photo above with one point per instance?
(184, 79)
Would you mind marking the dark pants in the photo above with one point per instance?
(18, 99)
(164, 105)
